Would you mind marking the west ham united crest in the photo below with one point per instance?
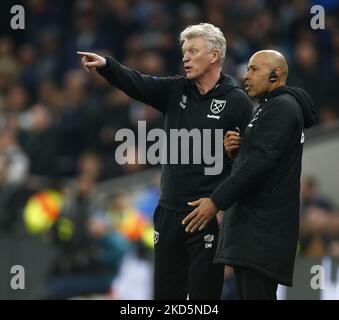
(217, 105)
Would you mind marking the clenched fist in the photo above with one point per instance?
(232, 143)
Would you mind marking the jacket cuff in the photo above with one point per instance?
(217, 202)
(107, 67)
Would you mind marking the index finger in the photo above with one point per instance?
(81, 53)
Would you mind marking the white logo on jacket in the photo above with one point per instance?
(156, 237)
(255, 117)
(216, 107)
(183, 101)
(208, 238)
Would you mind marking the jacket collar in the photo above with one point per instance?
(224, 84)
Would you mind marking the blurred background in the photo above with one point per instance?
(79, 223)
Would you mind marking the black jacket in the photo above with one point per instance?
(260, 228)
(184, 107)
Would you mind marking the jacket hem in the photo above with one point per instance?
(240, 263)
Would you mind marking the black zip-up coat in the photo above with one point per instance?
(261, 226)
(184, 107)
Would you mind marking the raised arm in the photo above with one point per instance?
(148, 89)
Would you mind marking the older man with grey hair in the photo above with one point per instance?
(203, 99)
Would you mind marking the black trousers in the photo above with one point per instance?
(253, 285)
(183, 261)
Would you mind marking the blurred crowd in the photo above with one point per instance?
(319, 224)
(57, 122)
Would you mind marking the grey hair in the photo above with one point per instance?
(213, 35)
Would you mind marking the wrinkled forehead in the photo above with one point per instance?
(198, 42)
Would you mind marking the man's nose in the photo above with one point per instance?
(185, 58)
(246, 77)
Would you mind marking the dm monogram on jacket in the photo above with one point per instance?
(208, 238)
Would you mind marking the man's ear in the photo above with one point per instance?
(215, 55)
(278, 72)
